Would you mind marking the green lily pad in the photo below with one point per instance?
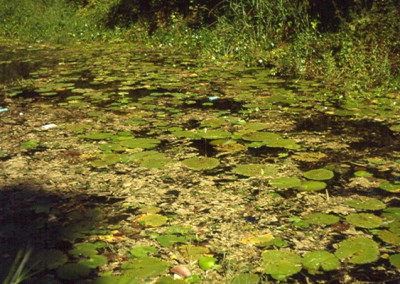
(321, 219)
(156, 161)
(363, 174)
(170, 280)
(192, 252)
(73, 271)
(86, 249)
(285, 182)
(366, 203)
(390, 187)
(319, 174)
(214, 134)
(245, 278)
(168, 240)
(364, 220)
(281, 263)
(200, 163)
(252, 170)
(389, 237)
(395, 260)
(207, 262)
(359, 250)
(152, 220)
(30, 144)
(392, 213)
(97, 135)
(144, 143)
(312, 185)
(142, 251)
(261, 136)
(145, 267)
(315, 260)
(94, 261)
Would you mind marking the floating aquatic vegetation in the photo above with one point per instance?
(321, 219)
(395, 260)
(319, 174)
(315, 260)
(248, 278)
(285, 182)
(200, 163)
(359, 250)
(312, 185)
(269, 139)
(48, 259)
(366, 203)
(390, 237)
(152, 220)
(142, 251)
(207, 262)
(363, 174)
(144, 143)
(387, 186)
(252, 170)
(192, 252)
(281, 263)
(308, 156)
(30, 144)
(259, 240)
(145, 267)
(364, 220)
(97, 135)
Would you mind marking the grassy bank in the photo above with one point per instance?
(356, 49)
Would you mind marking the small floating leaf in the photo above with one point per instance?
(193, 252)
(152, 220)
(144, 143)
(312, 185)
(97, 135)
(207, 262)
(73, 271)
(363, 174)
(94, 261)
(259, 240)
(245, 278)
(321, 219)
(200, 163)
(31, 144)
(315, 260)
(358, 250)
(281, 263)
(319, 174)
(395, 260)
(389, 237)
(168, 240)
(285, 182)
(366, 203)
(142, 251)
(145, 267)
(364, 220)
(255, 170)
(390, 187)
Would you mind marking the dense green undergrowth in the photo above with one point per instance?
(353, 46)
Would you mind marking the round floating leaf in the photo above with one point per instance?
(168, 240)
(392, 213)
(73, 271)
(390, 187)
(315, 260)
(97, 135)
(245, 278)
(364, 220)
(152, 220)
(285, 182)
(207, 262)
(214, 134)
(312, 185)
(31, 144)
(86, 249)
(363, 174)
(252, 170)
(144, 143)
(366, 203)
(193, 252)
(145, 267)
(186, 134)
(259, 240)
(201, 163)
(321, 219)
(281, 263)
(319, 174)
(395, 260)
(389, 237)
(358, 250)
(142, 251)
(94, 261)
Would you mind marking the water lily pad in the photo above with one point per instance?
(366, 203)
(359, 250)
(144, 143)
(363, 174)
(315, 260)
(321, 219)
(73, 271)
(281, 263)
(214, 134)
(192, 252)
(207, 262)
(200, 163)
(245, 278)
(97, 135)
(390, 187)
(364, 220)
(392, 213)
(94, 261)
(152, 220)
(252, 170)
(389, 237)
(142, 251)
(156, 161)
(395, 260)
(312, 185)
(168, 240)
(145, 267)
(285, 182)
(261, 136)
(86, 249)
(319, 174)
(30, 144)
(259, 240)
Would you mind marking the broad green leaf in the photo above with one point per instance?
(319, 174)
(358, 250)
(281, 263)
(364, 220)
(315, 260)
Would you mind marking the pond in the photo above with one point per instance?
(121, 164)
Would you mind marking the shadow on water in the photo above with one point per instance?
(13, 70)
(32, 218)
